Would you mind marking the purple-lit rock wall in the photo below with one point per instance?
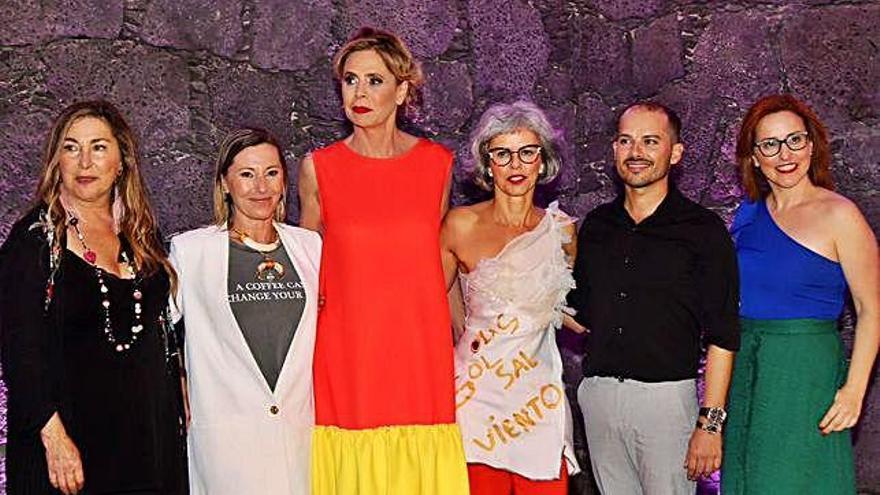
(186, 71)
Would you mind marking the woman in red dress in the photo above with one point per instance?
(384, 391)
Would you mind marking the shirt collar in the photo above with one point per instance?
(670, 206)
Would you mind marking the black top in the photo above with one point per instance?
(120, 409)
(646, 291)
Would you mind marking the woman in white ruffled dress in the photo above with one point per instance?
(513, 261)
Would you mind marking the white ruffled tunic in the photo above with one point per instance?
(510, 399)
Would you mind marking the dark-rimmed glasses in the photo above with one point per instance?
(795, 141)
(528, 154)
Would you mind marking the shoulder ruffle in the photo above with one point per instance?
(744, 216)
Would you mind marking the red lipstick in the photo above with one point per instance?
(787, 168)
(361, 110)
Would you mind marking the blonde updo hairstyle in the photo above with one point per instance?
(396, 55)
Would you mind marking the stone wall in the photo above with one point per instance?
(187, 71)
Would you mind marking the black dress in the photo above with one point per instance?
(122, 410)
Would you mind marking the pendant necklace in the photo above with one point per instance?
(136, 295)
(268, 270)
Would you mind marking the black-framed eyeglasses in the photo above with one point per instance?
(528, 154)
(795, 141)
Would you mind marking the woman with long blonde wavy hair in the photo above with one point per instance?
(87, 349)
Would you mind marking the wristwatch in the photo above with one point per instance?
(714, 414)
(711, 428)
(715, 417)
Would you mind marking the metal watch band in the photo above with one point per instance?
(711, 428)
(714, 414)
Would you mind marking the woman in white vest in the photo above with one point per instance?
(248, 299)
(514, 263)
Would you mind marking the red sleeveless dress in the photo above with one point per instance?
(383, 368)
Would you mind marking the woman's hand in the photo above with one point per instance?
(62, 457)
(843, 413)
(704, 454)
(569, 322)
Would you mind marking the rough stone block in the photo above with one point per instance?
(21, 23)
(562, 118)
(22, 137)
(447, 97)
(854, 162)
(323, 99)
(594, 129)
(510, 47)
(830, 55)
(555, 86)
(657, 55)
(596, 124)
(724, 183)
(291, 35)
(88, 18)
(26, 21)
(427, 27)
(214, 25)
(182, 188)
(867, 432)
(24, 125)
(622, 9)
(245, 97)
(734, 58)
(601, 59)
(149, 85)
(556, 16)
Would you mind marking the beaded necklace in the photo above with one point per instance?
(92, 259)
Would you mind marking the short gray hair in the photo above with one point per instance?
(505, 118)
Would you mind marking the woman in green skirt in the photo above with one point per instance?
(800, 247)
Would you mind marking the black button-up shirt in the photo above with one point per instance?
(648, 291)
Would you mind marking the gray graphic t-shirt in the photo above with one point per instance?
(267, 311)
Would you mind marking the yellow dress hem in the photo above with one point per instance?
(389, 460)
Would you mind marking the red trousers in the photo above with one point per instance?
(485, 480)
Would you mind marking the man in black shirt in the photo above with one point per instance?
(656, 274)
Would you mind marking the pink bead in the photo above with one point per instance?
(90, 256)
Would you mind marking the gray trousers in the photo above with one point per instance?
(638, 434)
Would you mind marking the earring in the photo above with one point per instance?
(489, 173)
(281, 209)
(118, 210)
(755, 162)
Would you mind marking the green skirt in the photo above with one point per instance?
(784, 381)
